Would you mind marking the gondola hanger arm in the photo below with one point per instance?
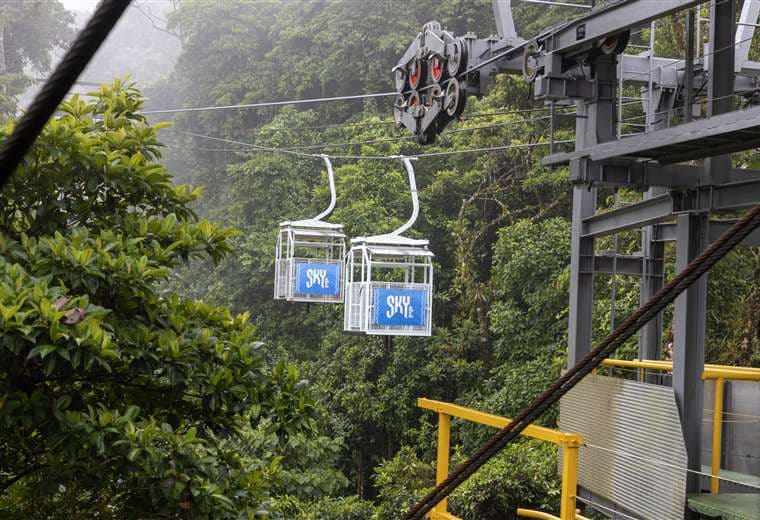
(415, 199)
(331, 180)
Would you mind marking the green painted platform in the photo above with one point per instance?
(728, 506)
(740, 478)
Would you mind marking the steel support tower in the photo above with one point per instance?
(681, 162)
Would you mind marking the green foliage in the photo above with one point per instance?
(308, 462)
(341, 508)
(401, 481)
(530, 258)
(512, 387)
(118, 398)
(523, 475)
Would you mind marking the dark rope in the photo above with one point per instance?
(55, 89)
(665, 296)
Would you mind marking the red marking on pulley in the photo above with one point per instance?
(436, 68)
(609, 44)
(414, 99)
(415, 73)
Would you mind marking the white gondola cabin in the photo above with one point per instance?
(389, 281)
(309, 257)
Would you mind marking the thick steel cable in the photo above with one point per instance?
(665, 296)
(55, 89)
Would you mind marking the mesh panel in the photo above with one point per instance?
(355, 303)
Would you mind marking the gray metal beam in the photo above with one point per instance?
(632, 173)
(718, 227)
(630, 265)
(581, 276)
(505, 24)
(719, 134)
(720, 84)
(721, 52)
(612, 19)
(627, 172)
(636, 69)
(688, 80)
(725, 197)
(704, 199)
(634, 216)
(731, 196)
(689, 342)
(597, 126)
(667, 232)
(653, 278)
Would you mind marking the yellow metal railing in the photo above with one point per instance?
(528, 513)
(569, 442)
(720, 374)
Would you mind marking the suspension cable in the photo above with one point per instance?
(55, 89)
(368, 124)
(409, 137)
(262, 148)
(665, 296)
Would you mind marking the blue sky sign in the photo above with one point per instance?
(318, 279)
(396, 306)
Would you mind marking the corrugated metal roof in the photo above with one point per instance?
(635, 424)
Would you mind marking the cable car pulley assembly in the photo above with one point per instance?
(439, 70)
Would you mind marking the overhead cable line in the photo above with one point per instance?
(559, 4)
(379, 140)
(262, 148)
(45, 103)
(267, 104)
(464, 117)
(408, 137)
(664, 297)
(326, 100)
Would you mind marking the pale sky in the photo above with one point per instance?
(89, 5)
(80, 5)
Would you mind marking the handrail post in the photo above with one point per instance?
(570, 446)
(717, 435)
(442, 464)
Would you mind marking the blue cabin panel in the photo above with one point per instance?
(399, 307)
(318, 279)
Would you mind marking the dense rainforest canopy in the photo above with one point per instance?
(147, 372)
